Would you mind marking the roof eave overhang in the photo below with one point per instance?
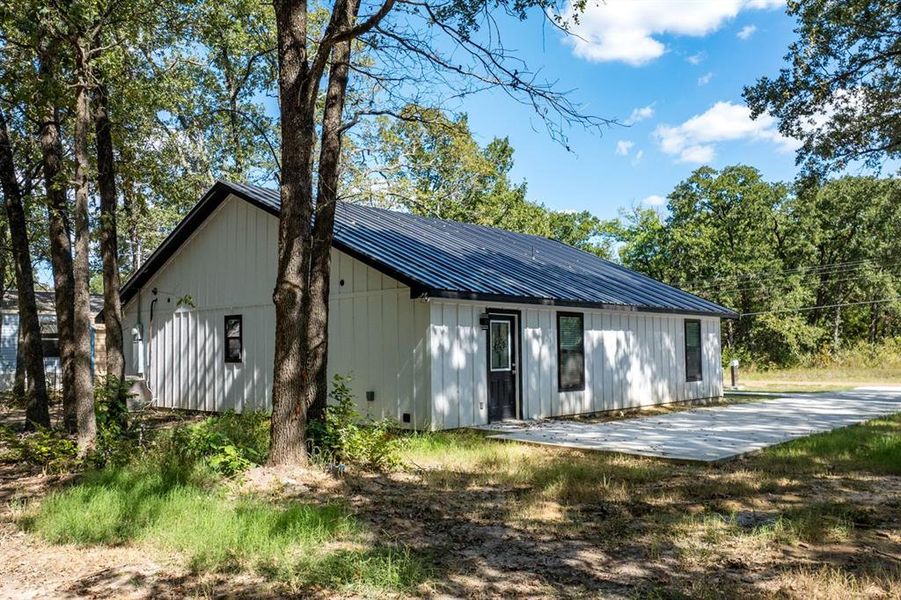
(424, 292)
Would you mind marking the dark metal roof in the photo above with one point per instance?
(448, 259)
(45, 302)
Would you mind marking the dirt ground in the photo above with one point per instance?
(480, 548)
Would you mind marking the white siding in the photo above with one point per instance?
(377, 334)
(9, 337)
(631, 359)
(9, 341)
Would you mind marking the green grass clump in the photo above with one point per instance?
(874, 446)
(179, 507)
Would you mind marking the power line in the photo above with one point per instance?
(762, 286)
(777, 272)
(810, 271)
(785, 310)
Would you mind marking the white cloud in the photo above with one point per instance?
(628, 31)
(705, 78)
(637, 158)
(694, 141)
(623, 147)
(654, 200)
(640, 114)
(746, 32)
(697, 58)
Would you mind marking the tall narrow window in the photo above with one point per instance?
(234, 341)
(693, 350)
(500, 346)
(570, 352)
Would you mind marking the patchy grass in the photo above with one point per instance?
(874, 446)
(178, 508)
(818, 379)
(469, 516)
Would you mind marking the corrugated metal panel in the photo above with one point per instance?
(459, 260)
(448, 256)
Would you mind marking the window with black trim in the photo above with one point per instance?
(234, 338)
(693, 350)
(49, 336)
(570, 352)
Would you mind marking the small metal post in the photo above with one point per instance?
(733, 365)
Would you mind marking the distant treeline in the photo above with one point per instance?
(811, 267)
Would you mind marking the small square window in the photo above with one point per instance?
(234, 341)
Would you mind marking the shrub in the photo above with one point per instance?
(46, 448)
(228, 444)
(119, 433)
(341, 437)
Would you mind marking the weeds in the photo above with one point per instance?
(229, 444)
(340, 437)
(44, 448)
(175, 506)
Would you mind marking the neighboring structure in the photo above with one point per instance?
(440, 324)
(9, 337)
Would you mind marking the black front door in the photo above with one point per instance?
(501, 368)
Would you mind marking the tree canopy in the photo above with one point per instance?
(840, 93)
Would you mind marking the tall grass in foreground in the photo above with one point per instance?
(178, 508)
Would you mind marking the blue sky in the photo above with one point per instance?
(677, 67)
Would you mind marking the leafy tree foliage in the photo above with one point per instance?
(432, 166)
(841, 90)
(773, 254)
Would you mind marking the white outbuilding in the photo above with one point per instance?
(439, 324)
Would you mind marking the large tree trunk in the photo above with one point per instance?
(290, 379)
(60, 246)
(324, 224)
(4, 257)
(106, 182)
(130, 210)
(37, 411)
(84, 392)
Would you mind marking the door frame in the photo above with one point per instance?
(517, 340)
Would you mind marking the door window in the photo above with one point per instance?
(500, 345)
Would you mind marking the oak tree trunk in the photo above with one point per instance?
(290, 379)
(84, 393)
(324, 224)
(106, 183)
(301, 292)
(60, 245)
(37, 411)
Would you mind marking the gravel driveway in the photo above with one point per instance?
(715, 433)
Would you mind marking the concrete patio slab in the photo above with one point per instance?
(715, 433)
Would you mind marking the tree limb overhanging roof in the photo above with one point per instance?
(448, 259)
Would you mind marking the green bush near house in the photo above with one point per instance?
(228, 443)
(343, 437)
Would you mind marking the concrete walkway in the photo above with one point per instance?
(715, 433)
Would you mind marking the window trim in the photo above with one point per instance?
(240, 338)
(690, 378)
(581, 385)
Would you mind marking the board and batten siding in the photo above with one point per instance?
(631, 359)
(9, 341)
(377, 333)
